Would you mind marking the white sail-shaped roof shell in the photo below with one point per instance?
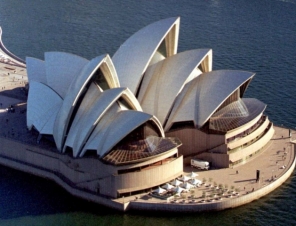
(201, 97)
(75, 91)
(36, 70)
(48, 126)
(135, 54)
(97, 134)
(93, 107)
(109, 72)
(61, 68)
(43, 104)
(164, 80)
(90, 99)
(106, 137)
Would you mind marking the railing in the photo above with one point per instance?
(250, 142)
(248, 131)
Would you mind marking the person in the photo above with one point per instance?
(237, 172)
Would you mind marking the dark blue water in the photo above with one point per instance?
(257, 36)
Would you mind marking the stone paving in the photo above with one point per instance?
(12, 76)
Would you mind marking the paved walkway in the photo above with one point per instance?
(12, 77)
(272, 163)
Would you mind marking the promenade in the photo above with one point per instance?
(273, 162)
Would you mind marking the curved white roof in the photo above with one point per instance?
(109, 72)
(96, 137)
(159, 125)
(93, 93)
(75, 91)
(48, 126)
(42, 106)
(81, 129)
(124, 122)
(201, 97)
(61, 68)
(36, 70)
(135, 54)
(164, 80)
(132, 101)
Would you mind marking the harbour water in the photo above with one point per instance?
(257, 36)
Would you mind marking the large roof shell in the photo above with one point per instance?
(124, 122)
(90, 99)
(75, 91)
(43, 104)
(202, 96)
(36, 70)
(93, 107)
(109, 72)
(135, 54)
(164, 80)
(61, 68)
(95, 138)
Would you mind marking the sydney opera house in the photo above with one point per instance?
(122, 125)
